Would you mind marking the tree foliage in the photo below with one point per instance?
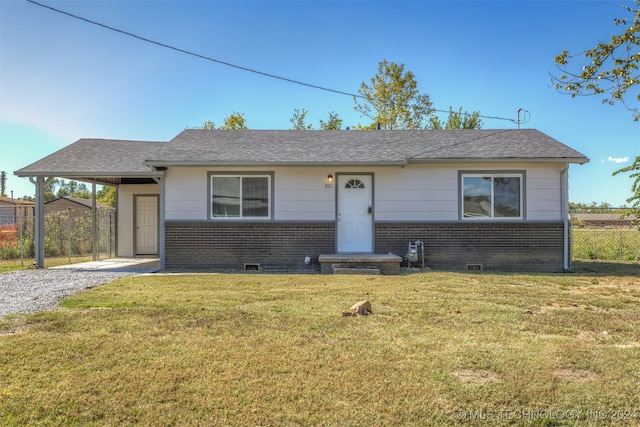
(332, 123)
(61, 188)
(393, 100)
(457, 120)
(593, 207)
(106, 196)
(234, 121)
(610, 70)
(3, 184)
(298, 120)
(634, 173)
(208, 125)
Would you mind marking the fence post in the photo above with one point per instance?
(20, 239)
(620, 244)
(69, 231)
(94, 225)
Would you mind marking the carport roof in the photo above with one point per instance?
(101, 160)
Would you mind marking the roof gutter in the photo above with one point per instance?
(94, 174)
(576, 160)
(167, 163)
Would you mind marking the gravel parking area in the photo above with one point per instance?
(28, 291)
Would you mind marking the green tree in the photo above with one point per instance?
(393, 99)
(61, 188)
(593, 207)
(634, 173)
(457, 120)
(208, 125)
(235, 121)
(106, 196)
(372, 126)
(3, 184)
(298, 120)
(609, 70)
(333, 123)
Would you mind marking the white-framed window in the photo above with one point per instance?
(492, 195)
(242, 196)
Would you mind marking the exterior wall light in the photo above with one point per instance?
(330, 177)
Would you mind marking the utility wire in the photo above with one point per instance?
(228, 64)
(197, 55)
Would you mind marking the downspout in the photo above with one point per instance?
(564, 201)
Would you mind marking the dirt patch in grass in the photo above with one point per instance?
(476, 376)
(561, 306)
(13, 325)
(628, 345)
(575, 375)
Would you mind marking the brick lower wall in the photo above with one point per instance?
(275, 245)
(283, 245)
(498, 246)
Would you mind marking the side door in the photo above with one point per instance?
(146, 223)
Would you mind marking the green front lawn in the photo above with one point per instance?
(440, 349)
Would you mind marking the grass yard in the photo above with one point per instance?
(440, 349)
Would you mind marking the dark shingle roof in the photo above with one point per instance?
(194, 146)
(90, 156)
(121, 158)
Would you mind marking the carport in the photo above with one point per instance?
(98, 162)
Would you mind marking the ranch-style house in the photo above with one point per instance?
(312, 200)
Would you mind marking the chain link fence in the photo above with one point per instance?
(605, 234)
(68, 235)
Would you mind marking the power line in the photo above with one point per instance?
(197, 55)
(228, 64)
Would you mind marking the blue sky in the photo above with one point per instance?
(62, 79)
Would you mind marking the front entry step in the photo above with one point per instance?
(345, 269)
(360, 264)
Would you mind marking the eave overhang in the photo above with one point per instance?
(93, 174)
(404, 162)
(160, 163)
(574, 160)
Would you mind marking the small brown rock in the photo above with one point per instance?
(362, 308)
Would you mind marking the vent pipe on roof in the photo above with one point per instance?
(526, 116)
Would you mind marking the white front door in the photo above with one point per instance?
(355, 214)
(146, 225)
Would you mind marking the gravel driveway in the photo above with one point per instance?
(28, 291)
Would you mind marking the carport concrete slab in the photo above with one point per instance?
(142, 265)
